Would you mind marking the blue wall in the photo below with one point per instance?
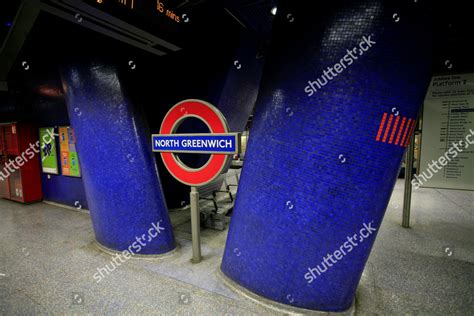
(44, 111)
(60, 189)
(239, 92)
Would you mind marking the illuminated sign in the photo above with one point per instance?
(219, 143)
(159, 7)
(152, 25)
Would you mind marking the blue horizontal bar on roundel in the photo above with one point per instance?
(228, 143)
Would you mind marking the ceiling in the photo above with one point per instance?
(451, 51)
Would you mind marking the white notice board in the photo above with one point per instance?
(448, 117)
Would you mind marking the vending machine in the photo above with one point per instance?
(20, 178)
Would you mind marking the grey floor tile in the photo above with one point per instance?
(48, 258)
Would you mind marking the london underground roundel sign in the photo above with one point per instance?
(219, 143)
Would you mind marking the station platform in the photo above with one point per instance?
(48, 259)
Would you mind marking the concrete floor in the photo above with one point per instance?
(47, 259)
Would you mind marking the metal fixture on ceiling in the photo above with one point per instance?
(99, 21)
(23, 22)
(189, 3)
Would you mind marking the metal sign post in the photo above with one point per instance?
(219, 144)
(408, 187)
(195, 225)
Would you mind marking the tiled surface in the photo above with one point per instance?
(47, 256)
(409, 270)
(117, 164)
(315, 172)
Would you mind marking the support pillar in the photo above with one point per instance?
(341, 90)
(119, 171)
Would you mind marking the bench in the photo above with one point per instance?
(212, 188)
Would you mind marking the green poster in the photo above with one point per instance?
(49, 160)
(74, 163)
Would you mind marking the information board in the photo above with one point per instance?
(447, 146)
(69, 157)
(49, 160)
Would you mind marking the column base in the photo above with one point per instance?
(113, 252)
(276, 306)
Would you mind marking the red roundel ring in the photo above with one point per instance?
(216, 122)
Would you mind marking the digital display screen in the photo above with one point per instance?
(157, 26)
(159, 7)
(158, 17)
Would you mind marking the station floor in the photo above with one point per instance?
(47, 260)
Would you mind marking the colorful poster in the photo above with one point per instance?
(49, 160)
(69, 158)
(64, 147)
(66, 171)
(63, 139)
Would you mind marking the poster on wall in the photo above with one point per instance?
(49, 160)
(447, 145)
(69, 159)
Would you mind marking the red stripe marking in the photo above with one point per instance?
(406, 131)
(400, 130)
(381, 127)
(407, 142)
(388, 128)
(394, 130)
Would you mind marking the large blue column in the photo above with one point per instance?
(326, 147)
(120, 175)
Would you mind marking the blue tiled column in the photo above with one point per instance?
(324, 155)
(120, 175)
